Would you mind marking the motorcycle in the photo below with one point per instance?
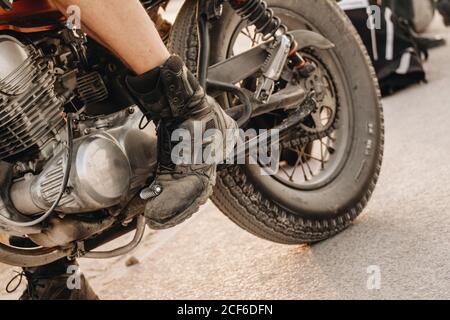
(76, 150)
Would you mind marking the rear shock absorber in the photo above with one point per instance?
(257, 13)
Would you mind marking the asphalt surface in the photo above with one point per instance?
(404, 232)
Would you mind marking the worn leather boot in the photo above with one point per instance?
(56, 281)
(179, 102)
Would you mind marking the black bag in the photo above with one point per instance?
(444, 9)
(390, 42)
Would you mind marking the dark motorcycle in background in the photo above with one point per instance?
(76, 150)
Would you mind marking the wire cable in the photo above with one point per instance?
(64, 184)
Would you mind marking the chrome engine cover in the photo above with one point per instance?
(112, 161)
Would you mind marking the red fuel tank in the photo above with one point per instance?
(30, 16)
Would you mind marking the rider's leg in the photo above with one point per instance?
(59, 280)
(167, 92)
(126, 28)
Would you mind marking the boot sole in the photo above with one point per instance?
(182, 217)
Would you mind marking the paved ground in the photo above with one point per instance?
(405, 231)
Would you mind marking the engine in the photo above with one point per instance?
(112, 156)
(30, 110)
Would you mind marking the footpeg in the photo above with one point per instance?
(151, 191)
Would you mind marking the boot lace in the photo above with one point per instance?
(33, 283)
(165, 166)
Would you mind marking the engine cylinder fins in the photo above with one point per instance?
(91, 88)
(30, 109)
(16, 66)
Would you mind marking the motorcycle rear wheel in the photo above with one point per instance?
(270, 208)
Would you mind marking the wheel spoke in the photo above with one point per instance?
(303, 170)
(309, 168)
(329, 148)
(321, 156)
(313, 157)
(295, 169)
(247, 33)
(284, 171)
(332, 139)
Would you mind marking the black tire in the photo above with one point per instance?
(292, 216)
